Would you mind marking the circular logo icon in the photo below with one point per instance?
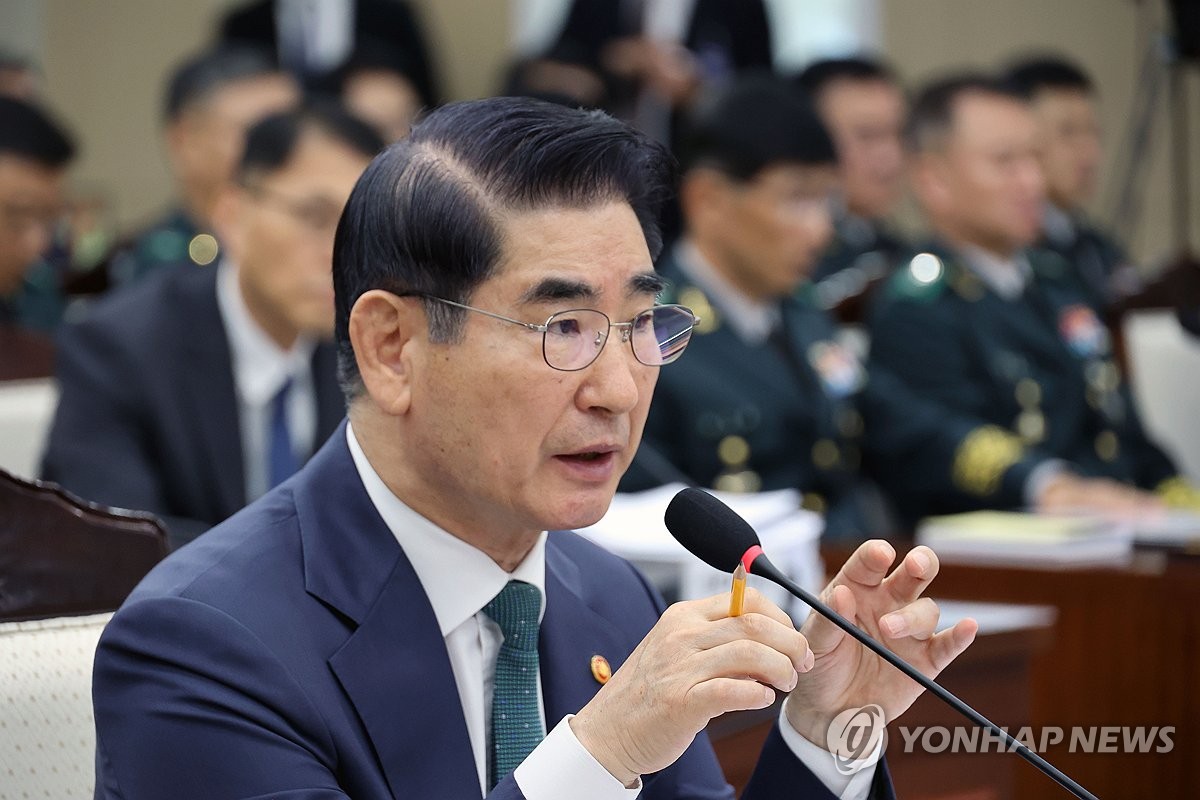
(856, 738)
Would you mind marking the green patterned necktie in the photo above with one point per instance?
(516, 724)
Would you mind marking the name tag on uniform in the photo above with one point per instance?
(1083, 331)
(839, 370)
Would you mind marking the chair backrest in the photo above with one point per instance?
(26, 413)
(61, 556)
(47, 732)
(1164, 365)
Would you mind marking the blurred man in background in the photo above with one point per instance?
(198, 389)
(863, 107)
(766, 398)
(212, 100)
(34, 153)
(1063, 101)
(1010, 392)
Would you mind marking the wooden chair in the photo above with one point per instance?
(62, 556)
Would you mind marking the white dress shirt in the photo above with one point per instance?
(460, 580)
(260, 368)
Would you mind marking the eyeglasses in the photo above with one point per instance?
(572, 340)
(317, 214)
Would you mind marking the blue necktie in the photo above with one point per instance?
(281, 457)
(516, 724)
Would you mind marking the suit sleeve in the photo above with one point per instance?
(97, 447)
(190, 704)
(927, 437)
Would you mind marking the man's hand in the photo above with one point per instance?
(696, 663)
(891, 610)
(1068, 492)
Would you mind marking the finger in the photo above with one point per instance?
(718, 696)
(917, 620)
(868, 565)
(909, 580)
(717, 606)
(745, 659)
(822, 634)
(949, 644)
(782, 638)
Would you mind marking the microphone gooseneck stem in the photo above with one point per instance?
(763, 567)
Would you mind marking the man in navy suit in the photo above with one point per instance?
(193, 392)
(353, 633)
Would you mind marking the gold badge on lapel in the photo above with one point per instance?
(601, 669)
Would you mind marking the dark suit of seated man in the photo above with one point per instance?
(193, 392)
(768, 396)
(1005, 388)
(395, 621)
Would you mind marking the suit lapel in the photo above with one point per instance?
(394, 667)
(209, 391)
(571, 634)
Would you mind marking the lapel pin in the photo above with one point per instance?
(601, 669)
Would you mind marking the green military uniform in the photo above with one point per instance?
(861, 251)
(38, 304)
(1103, 270)
(174, 239)
(744, 417)
(971, 392)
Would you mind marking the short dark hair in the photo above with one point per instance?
(1034, 74)
(272, 140)
(932, 114)
(205, 73)
(817, 76)
(752, 124)
(28, 131)
(425, 216)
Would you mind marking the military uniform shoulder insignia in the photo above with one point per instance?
(983, 457)
(697, 301)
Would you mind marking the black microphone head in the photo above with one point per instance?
(710, 530)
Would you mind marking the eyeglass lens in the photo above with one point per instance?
(658, 335)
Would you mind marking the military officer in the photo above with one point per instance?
(863, 107)
(1063, 101)
(1002, 386)
(212, 100)
(766, 398)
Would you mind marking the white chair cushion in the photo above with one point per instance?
(47, 734)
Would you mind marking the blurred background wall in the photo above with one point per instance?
(105, 63)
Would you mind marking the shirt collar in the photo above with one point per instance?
(1058, 225)
(1007, 277)
(260, 366)
(459, 579)
(753, 321)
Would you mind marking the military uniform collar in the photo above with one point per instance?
(751, 320)
(1007, 277)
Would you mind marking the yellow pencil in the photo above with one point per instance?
(737, 593)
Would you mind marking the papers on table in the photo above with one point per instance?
(633, 528)
(994, 617)
(1173, 529)
(1024, 539)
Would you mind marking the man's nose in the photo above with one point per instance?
(611, 381)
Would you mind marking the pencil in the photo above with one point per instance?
(737, 593)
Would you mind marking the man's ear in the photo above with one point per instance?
(928, 174)
(227, 214)
(386, 331)
(704, 197)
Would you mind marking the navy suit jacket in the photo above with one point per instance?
(291, 652)
(147, 415)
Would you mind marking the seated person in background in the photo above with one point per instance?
(34, 153)
(377, 86)
(1064, 104)
(766, 398)
(211, 101)
(410, 615)
(863, 106)
(1006, 392)
(195, 391)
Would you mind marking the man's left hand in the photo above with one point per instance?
(891, 610)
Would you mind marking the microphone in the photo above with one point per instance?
(714, 533)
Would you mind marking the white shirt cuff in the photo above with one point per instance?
(852, 784)
(1040, 477)
(561, 767)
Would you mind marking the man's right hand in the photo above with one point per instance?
(695, 664)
